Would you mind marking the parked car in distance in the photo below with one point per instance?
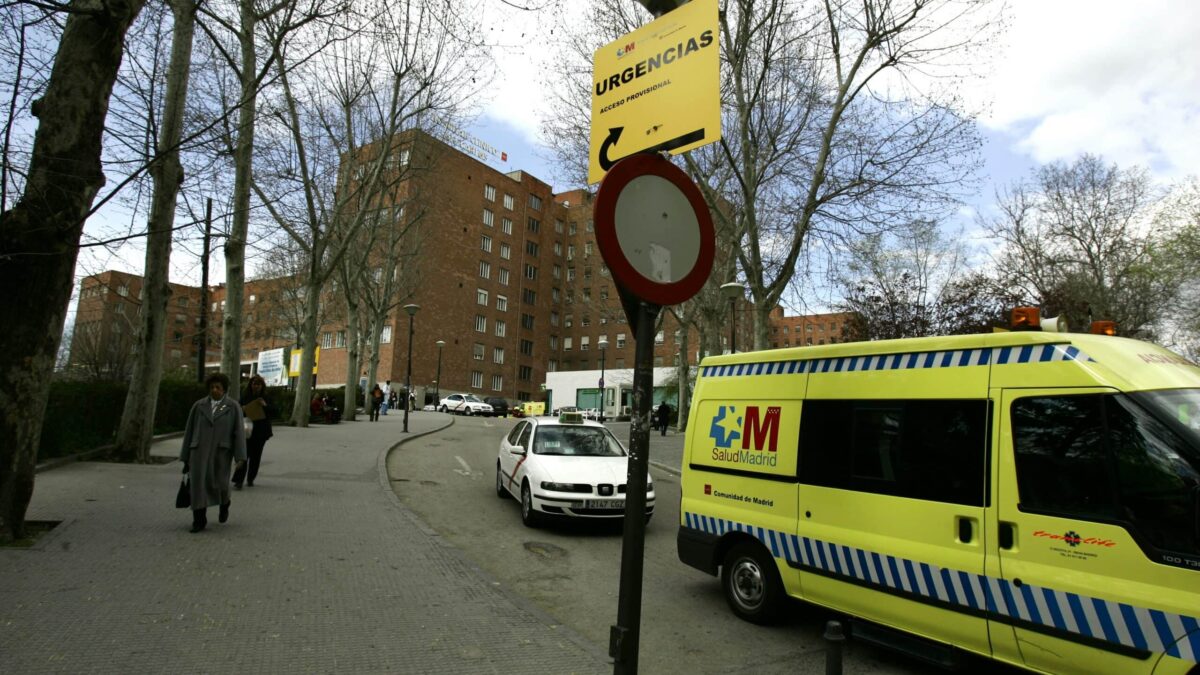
(499, 406)
(591, 414)
(564, 409)
(464, 404)
(565, 466)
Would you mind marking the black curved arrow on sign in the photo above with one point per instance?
(614, 135)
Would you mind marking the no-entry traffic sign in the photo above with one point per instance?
(654, 230)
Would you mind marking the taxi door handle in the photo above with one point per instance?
(966, 530)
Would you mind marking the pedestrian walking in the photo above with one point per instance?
(393, 400)
(213, 438)
(376, 403)
(256, 406)
(664, 417)
(412, 401)
(387, 394)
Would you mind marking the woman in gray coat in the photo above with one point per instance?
(214, 437)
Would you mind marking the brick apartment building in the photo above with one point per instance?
(510, 279)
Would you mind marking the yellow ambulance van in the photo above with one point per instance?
(1031, 497)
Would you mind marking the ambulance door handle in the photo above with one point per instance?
(966, 531)
(1007, 536)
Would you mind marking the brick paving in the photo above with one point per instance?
(319, 569)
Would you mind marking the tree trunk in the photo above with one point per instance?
(762, 326)
(682, 376)
(235, 245)
(373, 342)
(308, 341)
(39, 237)
(137, 420)
(351, 361)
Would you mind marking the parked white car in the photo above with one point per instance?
(565, 466)
(464, 404)
(591, 414)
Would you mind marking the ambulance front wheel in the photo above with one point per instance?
(752, 585)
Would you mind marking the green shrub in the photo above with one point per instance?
(80, 416)
(175, 400)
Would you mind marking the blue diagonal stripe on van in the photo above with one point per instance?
(1117, 622)
(957, 358)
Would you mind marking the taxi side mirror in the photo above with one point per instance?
(517, 450)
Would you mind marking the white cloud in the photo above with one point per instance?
(1109, 77)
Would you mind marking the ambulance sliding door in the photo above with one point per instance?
(893, 498)
(1096, 528)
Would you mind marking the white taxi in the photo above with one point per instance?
(565, 466)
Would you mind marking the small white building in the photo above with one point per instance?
(581, 388)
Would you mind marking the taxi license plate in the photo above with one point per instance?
(604, 504)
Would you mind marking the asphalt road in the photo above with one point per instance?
(572, 570)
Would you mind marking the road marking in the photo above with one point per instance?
(466, 468)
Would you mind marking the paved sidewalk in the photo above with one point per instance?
(319, 569)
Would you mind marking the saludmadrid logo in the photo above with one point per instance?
(756, 427)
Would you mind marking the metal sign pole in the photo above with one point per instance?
(626, 634)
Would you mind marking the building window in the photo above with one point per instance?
(585, 321)
(508, 202)
(530, 272)
(552, 366)
(326, 340)
(554, 294)
(180, 318)
(506, 225)
(529, 296)
(505, 251)
(527, 347)
(485, 243)
(497, 354)
(658, 338)
(583, 343)
(485, 269)
(501, 328)
(553, 343)
(558, 248)
(476, 379)
(489, 193)
(566, 344)
(557, 271)
(569, 320)
(573, 228)
(502, 303)
(480, 324)
(603, 293)
(531, 248)
(497, 383)
(489, 218)
(620, 340)
(527, 321)
(587, 294)
(533, 225)
(587, 248)
(553, 318)
(525, 373)
(587, 274)
(385, 335)
(477, 351)
(570, 255)
(481, 297)
(558, 226)
(123, 291)
(341, 340)
(503, 277)
(178, 337)
(535, 202)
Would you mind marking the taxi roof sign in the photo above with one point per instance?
(657, 88)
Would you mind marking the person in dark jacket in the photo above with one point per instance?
(376, 403)
(256, 390)
(664, 417)
(213, 439)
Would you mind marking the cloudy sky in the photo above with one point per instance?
(1116, 78)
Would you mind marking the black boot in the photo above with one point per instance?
(223, 514)
(199, 519)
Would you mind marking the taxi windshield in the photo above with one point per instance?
(576, 441)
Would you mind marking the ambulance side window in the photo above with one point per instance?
(1058, 442)
(921, 449)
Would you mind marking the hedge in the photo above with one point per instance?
(81, 416)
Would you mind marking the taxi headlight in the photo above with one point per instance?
(566, 487)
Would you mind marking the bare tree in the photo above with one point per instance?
(339, 143)
(137, 419)
(40, 234)
(1079, 239)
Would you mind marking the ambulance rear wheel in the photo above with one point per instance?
(752, 585)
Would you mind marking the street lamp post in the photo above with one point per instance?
(603, 345)
(438, 390)
(733, 290)
(412, 310)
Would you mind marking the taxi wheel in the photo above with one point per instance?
(445, 409)
(469, 412)
(500, 491)
(529, 516)
(751, 583)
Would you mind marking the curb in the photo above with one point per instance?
(95, 452)
(599, 653)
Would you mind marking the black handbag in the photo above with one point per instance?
(184, 498)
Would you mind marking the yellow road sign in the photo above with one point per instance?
(657, 88)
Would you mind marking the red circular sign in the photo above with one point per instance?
(654, 229)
